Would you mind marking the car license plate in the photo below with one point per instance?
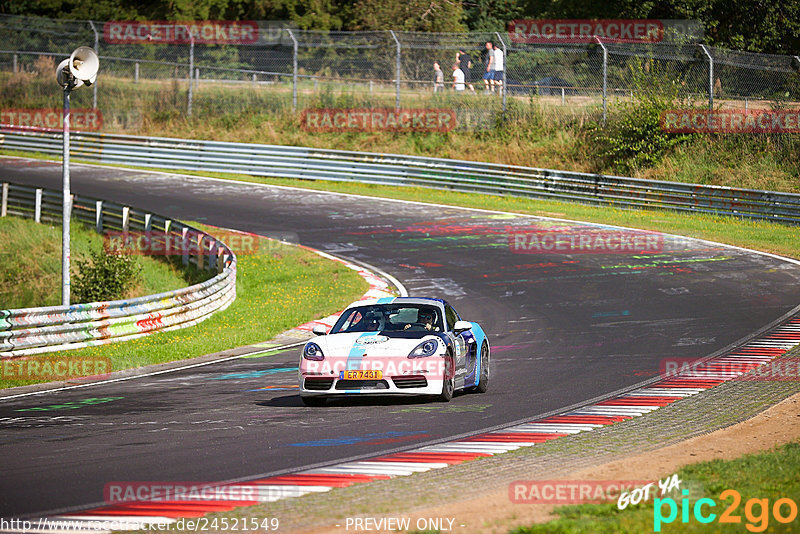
(361, 374)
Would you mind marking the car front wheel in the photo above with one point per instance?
(448, 382)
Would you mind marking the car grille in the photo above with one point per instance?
(410, 381)
(362, 384)
(318, 384)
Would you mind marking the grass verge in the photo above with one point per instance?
(277, 287)
(31, 264)
(759, 479)
(535, 131)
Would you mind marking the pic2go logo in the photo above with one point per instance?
(756, 511)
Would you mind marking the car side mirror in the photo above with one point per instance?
(319, 330)
(460, 326)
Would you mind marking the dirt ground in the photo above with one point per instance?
(494, 513)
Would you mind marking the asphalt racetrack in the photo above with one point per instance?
(565, 327)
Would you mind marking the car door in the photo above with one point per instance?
(459, 344)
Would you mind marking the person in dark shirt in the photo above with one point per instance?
(465, 63)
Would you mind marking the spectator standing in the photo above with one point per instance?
(499, 64)
(458, 78)
(438, 78)
(489, 74)
(465, 64)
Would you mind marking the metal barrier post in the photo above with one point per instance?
(37, 210)
(184, 246)
(212, 256)
(126, 219)
(98, 216)
(710, 76)
(4, 201)
(200, 251)
(167, 240)
(397, 73)
(136, 72)
(294, 69)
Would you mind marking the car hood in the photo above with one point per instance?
(387, 344)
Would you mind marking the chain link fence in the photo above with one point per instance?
(290, 69)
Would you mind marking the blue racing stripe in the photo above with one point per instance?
(357, 353)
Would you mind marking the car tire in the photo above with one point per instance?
(314, 401)
(448, 384)
(483, 382)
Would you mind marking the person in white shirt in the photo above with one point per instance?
(497, 76)
(458, 78)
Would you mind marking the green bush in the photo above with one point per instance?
(632, 138)
(105, 276)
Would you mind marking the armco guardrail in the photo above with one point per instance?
(455, 175)
(38, 330)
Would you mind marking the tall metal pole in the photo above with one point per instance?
(96, 48)
(397, 73)
(605, 78)
(191, 70)
(710, 76)
(294, 70)
(67, 207)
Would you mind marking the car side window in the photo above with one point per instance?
(452, 317)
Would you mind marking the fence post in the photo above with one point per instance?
(294, 69)
(605, 79)
(191, 70)
(200, 250)
(98, 216)
(14, 62)
(126, 219)
(184, 246)
(4, 201)
(96, 49)
(397, 72)
(196, 78)
(710, 76)
(167, 240)
(136, 72)
(505, 69)
(212, 254)
(37, 211)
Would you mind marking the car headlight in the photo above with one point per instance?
(425, 349)
(312, 351)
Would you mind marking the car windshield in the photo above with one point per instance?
(390, 317)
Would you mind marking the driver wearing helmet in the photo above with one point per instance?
(425, 318)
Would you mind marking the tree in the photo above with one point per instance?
(409, 15)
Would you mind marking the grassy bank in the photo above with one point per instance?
(277, 288)
(765, 477)
(31, 264)
(537, 131)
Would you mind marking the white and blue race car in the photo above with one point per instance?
(395, 346)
